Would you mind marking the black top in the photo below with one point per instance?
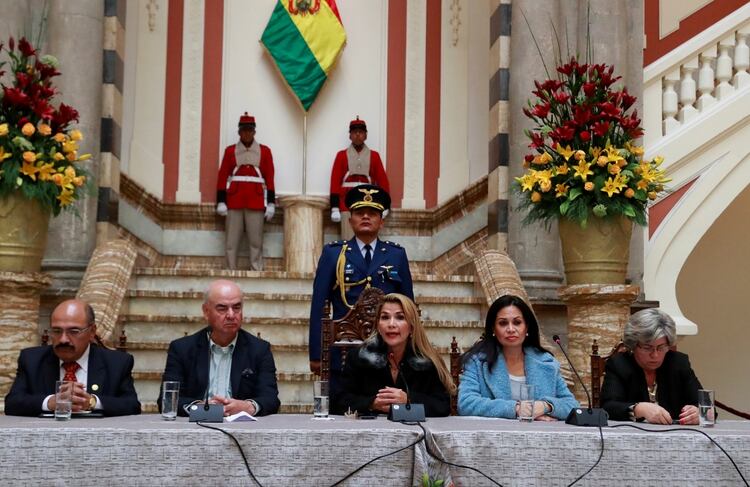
(367, 371)
(625, 384)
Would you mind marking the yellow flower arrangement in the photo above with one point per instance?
(38, 148)
(585, 160)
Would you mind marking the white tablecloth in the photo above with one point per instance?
(287, 450)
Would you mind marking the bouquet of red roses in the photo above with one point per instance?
(584, 158)
(38, 148)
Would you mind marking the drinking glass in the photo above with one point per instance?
(63, 399)
(706, 410)
(526, 409)
(320, 398)
(170, 395)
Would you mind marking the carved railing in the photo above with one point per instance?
(695, 78)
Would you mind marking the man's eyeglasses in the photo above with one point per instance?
(663, 348)
(71, 332)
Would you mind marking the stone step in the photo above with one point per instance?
(165, 328)
(288, 305)
(197, 280)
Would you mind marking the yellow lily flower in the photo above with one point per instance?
(582, 170)
(29, 169)
(76, 135)
(561, 190)
(3, 129)
(4, 155)
(46, 171)
(562, 170)
(65, 197)
(566, 152)
(610, 187)
(526, 181)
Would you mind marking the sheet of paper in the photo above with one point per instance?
(241, 416)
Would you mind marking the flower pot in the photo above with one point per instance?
(23, 233)
(597, 254)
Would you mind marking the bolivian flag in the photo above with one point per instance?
(304, 38)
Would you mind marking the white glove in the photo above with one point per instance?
(221, 209)
(335, 215)
(385, 213)
(270, 211)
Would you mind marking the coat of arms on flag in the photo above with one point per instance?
(304, 38)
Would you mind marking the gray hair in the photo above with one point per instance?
(648, 325)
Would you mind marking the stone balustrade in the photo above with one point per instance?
(698, 77)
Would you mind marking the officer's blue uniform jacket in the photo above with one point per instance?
(388, 271)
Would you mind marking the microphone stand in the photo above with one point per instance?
(580, 416)
(408, 412)
(209, 413)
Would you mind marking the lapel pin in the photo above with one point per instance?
(95, 387)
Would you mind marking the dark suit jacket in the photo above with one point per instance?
(625, 384)
(39, 368)
(253, 374)
(366, 371)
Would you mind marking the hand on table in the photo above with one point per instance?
(689, 415)
(653, 413)
(233, 406)
(386, 397)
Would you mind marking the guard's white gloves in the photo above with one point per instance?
(270, 211)
(221, 209)
(385, 213)
(335, 215)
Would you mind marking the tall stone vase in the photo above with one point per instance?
(597, 254)
(23, 233)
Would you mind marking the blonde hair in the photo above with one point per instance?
(418, 341)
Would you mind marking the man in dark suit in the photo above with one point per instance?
(241, 374)
(103, 380)
(346, 267)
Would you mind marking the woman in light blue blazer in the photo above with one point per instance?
(509, 355)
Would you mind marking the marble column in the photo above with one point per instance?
(303, 231)
(595, 311)
(19, 315)
(75, 37)
(534, 249)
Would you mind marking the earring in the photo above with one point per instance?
(527, 334)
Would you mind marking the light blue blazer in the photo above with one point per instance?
(485, 393)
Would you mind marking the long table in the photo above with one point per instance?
(297, 450)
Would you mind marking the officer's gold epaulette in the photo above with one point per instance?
(336, 243)
(394, 244)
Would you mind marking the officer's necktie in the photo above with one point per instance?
(70, 370)
(368, 254)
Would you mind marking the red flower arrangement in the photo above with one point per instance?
(38, 148)
(584, 158)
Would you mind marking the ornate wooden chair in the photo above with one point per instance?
(349, 331)
(456, 369)
(597, 370)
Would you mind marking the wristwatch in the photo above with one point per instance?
(92, 402)
(631, 411)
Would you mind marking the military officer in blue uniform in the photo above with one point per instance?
(346, 267)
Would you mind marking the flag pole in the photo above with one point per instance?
(304, 154)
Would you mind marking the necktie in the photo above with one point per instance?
(70, 370)
(368, 254)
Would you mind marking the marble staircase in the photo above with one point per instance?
(165, 303)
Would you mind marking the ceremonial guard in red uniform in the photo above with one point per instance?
(245, 193)
(357, 164)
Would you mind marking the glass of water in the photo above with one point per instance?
(320, 399)
(63, 399)
(170, 396)
(526, 403)
(706, 410)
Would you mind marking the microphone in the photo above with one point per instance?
(209, 413)
(579, 416)
(407, 412)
